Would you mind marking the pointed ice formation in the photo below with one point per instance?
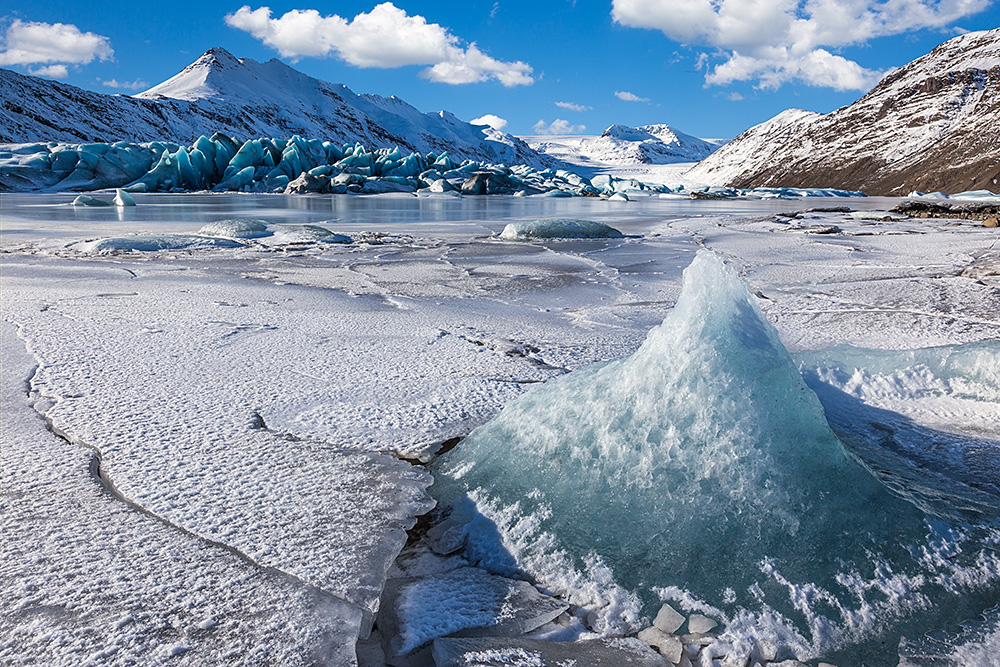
(701, 468)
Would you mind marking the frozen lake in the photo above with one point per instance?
(213, 454)
(30, 216)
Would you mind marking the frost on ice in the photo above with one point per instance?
(701, 450)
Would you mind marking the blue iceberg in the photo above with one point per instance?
(701, 469)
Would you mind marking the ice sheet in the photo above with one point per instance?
(86, 578)
(171, 355)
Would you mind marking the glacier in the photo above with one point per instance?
(299, 166)
(656, 472)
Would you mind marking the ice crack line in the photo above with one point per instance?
(37, 400)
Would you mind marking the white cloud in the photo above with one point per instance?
(496, 122)
(558, 126)
(734, 97)
(138, 84)
(51, 71)
(629, 97)
(28, 43)
(384, 37)
(573, 107)
(789, 40)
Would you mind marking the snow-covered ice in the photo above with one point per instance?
(558, 228)
(251, 399)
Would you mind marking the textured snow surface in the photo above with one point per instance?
(86, 579)
(253, 401)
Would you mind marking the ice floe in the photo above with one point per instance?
(559, 228)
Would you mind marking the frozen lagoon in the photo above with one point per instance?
(252, 403)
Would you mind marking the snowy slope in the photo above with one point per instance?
(623, 145)
(244, 99)
(932, 125)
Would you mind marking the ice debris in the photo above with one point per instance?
(298, 166)
(87, 200)
(123, 198)
(559, 228)
(468, 600)
(499, 652)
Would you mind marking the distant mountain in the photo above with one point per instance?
(244, 99)
(622, 145)
(932, 125)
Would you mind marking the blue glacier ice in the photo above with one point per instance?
(220, 163)
(702, 470)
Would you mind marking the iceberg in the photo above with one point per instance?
(559, 228)
(702, 469)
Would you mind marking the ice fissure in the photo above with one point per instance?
(107, 484)
(702, 469)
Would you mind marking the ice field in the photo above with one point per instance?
(224, 413)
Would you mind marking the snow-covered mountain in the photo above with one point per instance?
(932, 125)
(622, 145)
(244, 99)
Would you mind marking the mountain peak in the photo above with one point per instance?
(930, 125)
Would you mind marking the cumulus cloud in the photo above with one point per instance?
(629, 97)
(573, 107)
(138, 84)
(789, 40)
(558, 126)
(384, 37)
(51, 71)
(496, 122)
(30, 43)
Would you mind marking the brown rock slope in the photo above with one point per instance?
(932, 125)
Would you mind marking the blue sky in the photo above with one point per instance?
(710, 68)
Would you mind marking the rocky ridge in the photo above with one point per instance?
(932, 125)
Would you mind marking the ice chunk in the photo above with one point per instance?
(236, 228)
(702, 451)
(558, 228)
(499, 652)
(467, 600)
(668, 619)
(123, 198)
(448, 536)
(618, 196)
(87, 200)
(306, 234)
(699, 624)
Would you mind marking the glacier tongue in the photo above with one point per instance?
(699, 468)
